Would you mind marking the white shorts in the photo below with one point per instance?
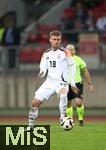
(48, 88)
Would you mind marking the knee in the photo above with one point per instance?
(69, 104)
(63, 91)
(36, 103)
(63, 95)
(63, 101)
(79, 104)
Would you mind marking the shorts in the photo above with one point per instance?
(48, 88)
(71, 95)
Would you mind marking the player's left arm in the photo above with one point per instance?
(72, 71)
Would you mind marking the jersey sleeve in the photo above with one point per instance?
(71, 68)
(72, 71)
(68, 53)
(43, 64)
(82, 63)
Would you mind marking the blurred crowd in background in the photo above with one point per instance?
(84, 15)
(88, 15)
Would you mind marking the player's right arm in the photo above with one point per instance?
(43, 66)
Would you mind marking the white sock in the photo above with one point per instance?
(33, 114)
(63, 105)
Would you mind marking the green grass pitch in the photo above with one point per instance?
(92, 136)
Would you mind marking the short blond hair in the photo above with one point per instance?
(55, 33)
(70, 47)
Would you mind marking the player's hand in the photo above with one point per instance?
(75, 89)
(91, 88)
(40, 75)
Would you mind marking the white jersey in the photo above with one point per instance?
(57, 64)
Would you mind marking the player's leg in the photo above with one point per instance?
(79, 102)
(69, 110)
(33, 114)
(42, 94)
(70, 96)
(80, 110)
(63, 102)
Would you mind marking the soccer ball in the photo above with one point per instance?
(67, 123)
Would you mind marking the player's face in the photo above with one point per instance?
(55, 41)
(73, 52)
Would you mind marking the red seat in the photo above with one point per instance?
(24, 55)
(30, 55)
(42, 38)
(36, 55)
(32, 38)
(55, 27)
(42, 27)
(69, 12)
(98, 12)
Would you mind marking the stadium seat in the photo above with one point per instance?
(42, 27)
(30, 55)
(55, 27)
(42, 38)
(36, 56)
(24, 55)
(69, 12)
(32, 38)
(98, 12)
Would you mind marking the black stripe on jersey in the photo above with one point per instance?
(71, 64)
(62, 48)
(63, 78)
(47, 50)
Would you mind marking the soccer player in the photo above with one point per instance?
(54, 62)
(80, 68)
